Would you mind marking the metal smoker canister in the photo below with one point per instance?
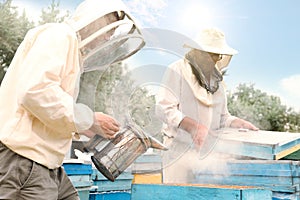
(116, 155)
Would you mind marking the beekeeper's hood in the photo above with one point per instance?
(106, 31)
(213, 40)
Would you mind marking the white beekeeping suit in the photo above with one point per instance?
(39, 114)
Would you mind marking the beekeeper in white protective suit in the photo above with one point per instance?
(193, 102)
(39, 116)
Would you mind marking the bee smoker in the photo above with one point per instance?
(112, 157)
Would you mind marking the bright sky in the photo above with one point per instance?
(265, 32)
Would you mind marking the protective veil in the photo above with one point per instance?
(107, 33)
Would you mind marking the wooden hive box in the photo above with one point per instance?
(197, 192)
(147, 163)
(112, 195)
(256, 144)
(122, 182)
(147, 168)
(80, 176)
(279, 176)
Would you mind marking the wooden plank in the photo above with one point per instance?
(246, 150)
(79, 174)
(259, 137)
(118, 185)
(281, 175)
(287, 151)
(256, 168)
(146, 168)
(115, 195)
(81, 180)
(122, 182)
(257, 144)
(280, 184)
(147, 163)
(196, 192)
(155, 178)
(96, 175)
(149, 158)
(77, 168)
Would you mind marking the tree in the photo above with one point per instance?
(12, 31)
(265, 111)
(13, 28)
(52, 14)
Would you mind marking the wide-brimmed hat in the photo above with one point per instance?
(212, 40)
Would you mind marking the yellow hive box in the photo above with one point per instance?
(147, 178)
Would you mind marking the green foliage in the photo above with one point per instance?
(265, 111)
(13, 28)
(53, 14)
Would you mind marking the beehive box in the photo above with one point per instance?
(112, 195)
(257, 144)
(79, 168)
(147, 163)
(80, 176)
(280, 176)
(197, 192)
(147, 168)
(84, 193)
(122, 182)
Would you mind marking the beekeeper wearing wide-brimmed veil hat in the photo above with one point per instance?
(194, 103)
(39, 114)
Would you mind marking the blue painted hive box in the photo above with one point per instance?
(279, 176)
(122, 182)
(80, 175)
(197, 192)
(78, 168)
(256, 144)
(113, 195)
(147, 163)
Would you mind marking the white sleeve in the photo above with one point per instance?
(167, 108)
(49, 62)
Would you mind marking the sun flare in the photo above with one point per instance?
(197, 16)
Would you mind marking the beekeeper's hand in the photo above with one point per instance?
(198, 131)
(104, 125)
(240, 123)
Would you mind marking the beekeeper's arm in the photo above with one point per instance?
(228, 120)
(169, 103)
(53, 60)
